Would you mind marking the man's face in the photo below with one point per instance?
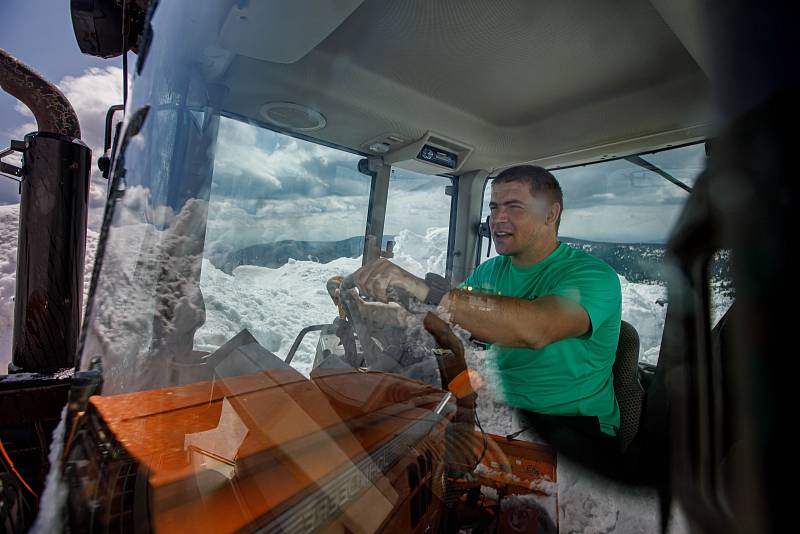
(519, 220)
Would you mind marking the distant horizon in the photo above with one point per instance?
(361, 236)
(648, 243)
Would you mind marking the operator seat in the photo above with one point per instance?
(627, 388)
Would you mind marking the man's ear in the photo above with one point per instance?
(553, 213)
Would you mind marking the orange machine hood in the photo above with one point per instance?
(271, 449)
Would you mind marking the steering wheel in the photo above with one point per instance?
(405, 349)
(387, 348)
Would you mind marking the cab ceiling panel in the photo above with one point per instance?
(281, 31)
(519, 80)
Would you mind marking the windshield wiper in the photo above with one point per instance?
(636, 160)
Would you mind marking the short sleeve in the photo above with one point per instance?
(595, 286)
(479, 276)
(470, 281)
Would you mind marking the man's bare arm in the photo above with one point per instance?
(513, 322)
(505, 321)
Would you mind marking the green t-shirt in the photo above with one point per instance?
(572, 376)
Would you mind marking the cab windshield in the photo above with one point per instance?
(197, 258)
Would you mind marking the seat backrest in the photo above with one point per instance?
(628, 389)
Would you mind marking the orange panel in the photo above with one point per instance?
(247, 450)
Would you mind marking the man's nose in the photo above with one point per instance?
(499, 215)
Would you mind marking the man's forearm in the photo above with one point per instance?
(514, 322)
(506, 321)
(490, 318)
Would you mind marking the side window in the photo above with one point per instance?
(418, 220)
(723, 291)
(485, 248)
(623, 214)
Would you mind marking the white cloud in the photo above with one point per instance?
(620, 223)
(262, 163)
(604, 196)
(231, 228)
(23, 129)
(238, 156)
(91, 94)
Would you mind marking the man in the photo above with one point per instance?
(551, 313)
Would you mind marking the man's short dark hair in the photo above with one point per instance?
(539, 180)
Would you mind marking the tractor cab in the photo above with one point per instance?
(227, 378)
(269, 153)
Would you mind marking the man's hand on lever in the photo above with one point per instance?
(384, 315)
(383, 281)
(387, 284)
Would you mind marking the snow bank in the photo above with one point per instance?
(421, 254)
(273, 304)
(645, 307)
(56, 490)
(148, 304)
(590, 503)
(9, 217)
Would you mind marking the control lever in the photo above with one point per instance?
(485, 231)
(348, 282)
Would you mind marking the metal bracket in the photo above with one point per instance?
(12, 172)
(484, 231)
(84, 385)
(104, 161)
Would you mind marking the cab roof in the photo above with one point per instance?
(510, 81)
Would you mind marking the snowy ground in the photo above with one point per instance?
(9, 215)
(252, 295)
(275, 304)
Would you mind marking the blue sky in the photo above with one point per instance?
(39, 33)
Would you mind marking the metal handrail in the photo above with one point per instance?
(299, 339)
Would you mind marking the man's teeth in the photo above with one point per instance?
(501, 234)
